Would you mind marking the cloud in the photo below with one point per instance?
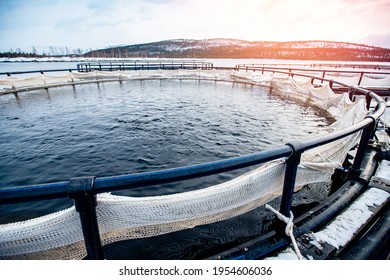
(382, 40)
(99, 23)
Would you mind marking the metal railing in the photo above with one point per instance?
(83, 190)
(9, 73)
(319, 65)
(298, 71)
(122, 66)
(335, 86)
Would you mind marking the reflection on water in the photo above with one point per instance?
(136, 126)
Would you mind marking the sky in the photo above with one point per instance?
(93, 24)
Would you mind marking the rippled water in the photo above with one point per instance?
(136, 126)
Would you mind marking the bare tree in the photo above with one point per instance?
(52, 50)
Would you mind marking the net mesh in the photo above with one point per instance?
(59, 235)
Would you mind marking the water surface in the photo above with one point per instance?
(116, 128)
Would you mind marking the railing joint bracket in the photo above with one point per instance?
(81, 186)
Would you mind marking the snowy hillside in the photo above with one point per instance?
(233, 48)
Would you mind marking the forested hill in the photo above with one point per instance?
(231, 48)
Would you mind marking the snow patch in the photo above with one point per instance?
(384, 170)
(315, 243)
(342, 229)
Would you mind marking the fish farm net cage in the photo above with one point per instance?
(60, 235)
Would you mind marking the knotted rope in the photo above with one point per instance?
(289, 229)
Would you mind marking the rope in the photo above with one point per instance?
(289, 229)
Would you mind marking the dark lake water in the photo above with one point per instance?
(137, 126)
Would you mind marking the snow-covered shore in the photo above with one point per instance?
(218, 61)
(84, 59)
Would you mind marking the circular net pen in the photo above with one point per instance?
(105, 225)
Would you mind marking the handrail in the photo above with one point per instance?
(84, 189)
(315, 65)
(113, 183)
(121, 66)
(186, 65)
(257, 68)
(38, 71)
(320, 71)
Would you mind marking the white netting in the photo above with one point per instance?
(59, 235)
(12, 84)
(9, 84)
(373, 81)
(349, 79)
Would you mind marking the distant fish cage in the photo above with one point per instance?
(123, 66)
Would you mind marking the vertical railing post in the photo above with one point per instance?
(323, 76)
(368, 101)
(289, 181)
(363, 144)
(360, 78)
(81, 191)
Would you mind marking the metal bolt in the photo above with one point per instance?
(318, 252)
